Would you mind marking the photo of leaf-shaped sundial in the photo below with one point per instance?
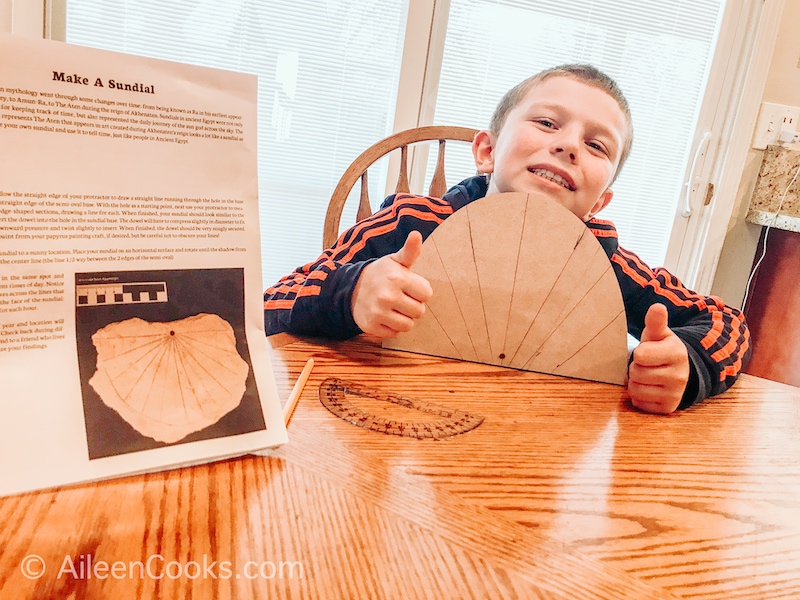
(168, 380)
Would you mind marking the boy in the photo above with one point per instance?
(564, 132)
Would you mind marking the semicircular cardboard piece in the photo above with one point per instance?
(519, 281)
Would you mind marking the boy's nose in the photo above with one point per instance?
(566, 145)
(570, 152)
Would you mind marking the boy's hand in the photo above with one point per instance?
(388, 297)
(658, 375)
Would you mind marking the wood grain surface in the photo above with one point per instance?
(564, 491)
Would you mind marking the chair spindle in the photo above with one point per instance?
(438, 184)
(402, 180)
(358, 171)
(364, 209)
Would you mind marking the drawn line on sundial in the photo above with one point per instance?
(333, 395)
(593, 338)
(568, 265)
(456, 295)
(447, 335)
(538, 310)
(478, 278)
(565, 314)
(502, 355)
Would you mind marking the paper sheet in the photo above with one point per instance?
(128, 190)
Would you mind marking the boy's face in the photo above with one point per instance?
(564, 139)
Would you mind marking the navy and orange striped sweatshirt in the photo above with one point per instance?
(315, 298)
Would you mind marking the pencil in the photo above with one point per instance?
(296, 391)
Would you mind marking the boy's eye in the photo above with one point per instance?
(597, 146)
(546, 123)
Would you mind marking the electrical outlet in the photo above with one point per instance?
(772, 119)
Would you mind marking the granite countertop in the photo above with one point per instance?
(777, 169)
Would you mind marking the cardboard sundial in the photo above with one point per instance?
(518, 281)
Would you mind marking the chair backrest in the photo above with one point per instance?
(358, 170)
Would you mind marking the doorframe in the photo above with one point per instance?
(420, 67)
(740, 98)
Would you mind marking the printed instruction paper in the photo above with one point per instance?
(131, 326)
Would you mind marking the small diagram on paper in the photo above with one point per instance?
(169, 379)
(163, 358)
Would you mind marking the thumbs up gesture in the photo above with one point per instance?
(388, 297)
(658, 375)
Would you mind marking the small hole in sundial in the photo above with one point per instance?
(502, 356)
(172, 333)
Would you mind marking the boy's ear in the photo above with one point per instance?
(483, 151)
(602, 202)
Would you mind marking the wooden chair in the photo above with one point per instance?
(358, 170)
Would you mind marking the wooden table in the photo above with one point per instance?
(564, 491)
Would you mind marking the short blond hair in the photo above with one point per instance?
(584, 73)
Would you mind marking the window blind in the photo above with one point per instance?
(328, 72)
(658, 52)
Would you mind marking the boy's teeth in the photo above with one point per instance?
(555, 178)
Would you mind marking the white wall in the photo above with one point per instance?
(22, 17)
(782, 87)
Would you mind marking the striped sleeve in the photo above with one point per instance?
(315, 298)
(716, 335)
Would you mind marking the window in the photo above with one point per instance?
(658, 52)
(328, 72)
(328, 86)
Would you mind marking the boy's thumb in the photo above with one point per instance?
(656, 324)
(409, 253)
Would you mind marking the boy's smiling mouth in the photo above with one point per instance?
(554, 177)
